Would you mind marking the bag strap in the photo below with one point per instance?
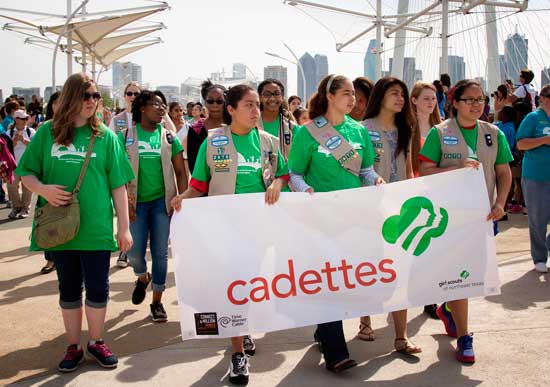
(85, 164)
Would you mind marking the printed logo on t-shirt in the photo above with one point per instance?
(69, 153)
(546, 131)
(149, 151)
(450, 140)
(250, 165)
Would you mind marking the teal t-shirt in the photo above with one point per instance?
(249, 169)
(320, 169)
(536, 162)
(108, 169)
(150, 177)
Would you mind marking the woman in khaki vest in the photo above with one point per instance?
(389, 121)
(460, 142)
(231, 161)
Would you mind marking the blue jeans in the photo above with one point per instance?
(152, 222)
(537, 199)
(76, 268)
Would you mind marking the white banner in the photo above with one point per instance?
(244, 267)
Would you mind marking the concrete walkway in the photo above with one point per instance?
(512, 340)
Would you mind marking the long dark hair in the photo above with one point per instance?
(232, 98)
(460, 88)
(318, 103)
(403, 119)
(283, 109)
(49, 107)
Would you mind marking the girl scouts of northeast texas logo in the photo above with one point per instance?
(417, 222)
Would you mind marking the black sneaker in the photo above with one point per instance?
(238, 369)
(158, 314)
(249, 346)
(138, 295)
(73, 357)
(431, 310)
(102, 354)
(14, 213)
(122, 260)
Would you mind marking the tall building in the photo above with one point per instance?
(172, 93)
(310, 71)
(321, 67)
(545, 76)
(516, 55)
(369, 63)
(124, 73)
(26, 92)
(483, 84)
(48, 92)
(191, 90)
(457, 68)
(503, 70)
(239, 70)
(410, 72)
(276, 72)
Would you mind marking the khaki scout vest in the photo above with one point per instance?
(285, 133)
(454, 149)
(121, 121)
(332, 141)
(382, 161)
(168, 173)
(222, 159)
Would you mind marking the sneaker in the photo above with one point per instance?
(465, 349)
(431, 310)
(138, 295)
(249, 346)
(13, 213)
(238, 369)
(540, 267)
(73, 357)
(23, 214)
(122, 260)
(447, 318)
(158, 314)
(102, 354)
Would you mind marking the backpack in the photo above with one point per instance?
(527, 100)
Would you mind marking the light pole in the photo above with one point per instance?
(297, 63)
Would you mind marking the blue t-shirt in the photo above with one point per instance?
(6, 122)
(536, 162)
(509, 131)
(441, 104)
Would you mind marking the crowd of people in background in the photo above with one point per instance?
(151, 156)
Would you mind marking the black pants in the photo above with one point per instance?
(333, 342)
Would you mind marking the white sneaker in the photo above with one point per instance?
(122, 260)
(540, 267)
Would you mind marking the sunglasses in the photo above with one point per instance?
(132, 94)
(95, 96)
(214, 101)
(22, 119)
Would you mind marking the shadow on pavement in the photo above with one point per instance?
(524, 292)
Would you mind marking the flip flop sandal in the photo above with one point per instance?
(47, 269)
(342, 366)
(365, 329)
(406, 346)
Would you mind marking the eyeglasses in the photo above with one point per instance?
(157, 105)
(132, 94)
(267, 94)
(471, 101)
(22, 119)
(95, 96)
(214, 101)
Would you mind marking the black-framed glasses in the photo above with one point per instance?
(267, 94)
(132, 93)
(95, 96)
(214, 101)
(471, 101)
(157, 105)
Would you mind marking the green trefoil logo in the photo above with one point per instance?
(464, 274)
(430, 224)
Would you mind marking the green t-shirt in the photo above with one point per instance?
(320, 169)
(150, 177)
(249, 169)
(432, 146)
(273, 126)
(109, 168)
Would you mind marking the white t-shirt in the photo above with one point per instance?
(19, 148)
(520, 93)
(182, 135)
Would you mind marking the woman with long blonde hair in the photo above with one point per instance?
(50, 167)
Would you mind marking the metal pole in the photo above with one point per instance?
(69, 42)
(299, 64)
(84, 63)
(93, 67)
(444, 68)
(378, 39)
